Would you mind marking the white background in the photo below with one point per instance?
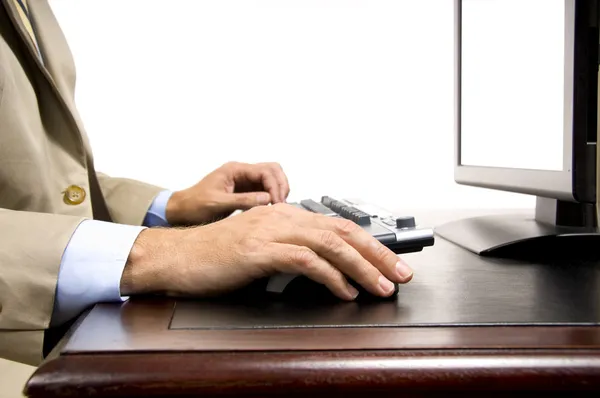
(353, 97)
(513, 83)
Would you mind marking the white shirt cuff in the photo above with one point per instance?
(92, 266)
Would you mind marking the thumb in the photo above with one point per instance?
(248, 200)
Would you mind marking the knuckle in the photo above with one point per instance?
(278, 208)
(231, 166)
(305, 257)
(276, 166)
(251, 243)
(272, 168)
(381, 253)
(260, 214)
(331, 241)
(345, 227)
(278, 211)
(281, 209)
(257, 210)
(249, 248)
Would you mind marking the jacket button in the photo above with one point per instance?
(74, 195)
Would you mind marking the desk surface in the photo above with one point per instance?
(464, 321)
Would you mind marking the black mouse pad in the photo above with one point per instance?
(451, 288)
(412, 307)
(277, 314)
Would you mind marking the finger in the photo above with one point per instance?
(282, 180)
(257, 173)
(328, 245)
(247, 200)
(301, 260)
(270, 184)
(369, 247)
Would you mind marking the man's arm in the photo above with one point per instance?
(93, 262)
(91, 267)
(128, 200)
(63, 264)
(157, 214)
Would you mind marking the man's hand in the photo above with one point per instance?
(233, 186)
(213, 259)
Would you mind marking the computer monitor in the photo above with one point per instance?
(526, 120)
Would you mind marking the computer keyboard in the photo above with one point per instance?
(399, 233)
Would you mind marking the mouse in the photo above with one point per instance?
(298, 287)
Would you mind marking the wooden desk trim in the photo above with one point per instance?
(143, 326)
(386, 373)
(148, 359)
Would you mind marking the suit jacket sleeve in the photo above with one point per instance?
(128, 200)
(30, 255)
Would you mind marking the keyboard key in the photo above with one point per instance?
(326, 200)
(363, 219)
(346, 211)
(405, 222)
(352, 213)
(317, 207)
(342, 212)
(337, 206)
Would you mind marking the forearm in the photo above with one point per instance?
(93, 262)
(177, 261)
(147, 268)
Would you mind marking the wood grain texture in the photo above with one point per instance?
(344, 373)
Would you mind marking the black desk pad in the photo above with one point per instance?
(451, 287)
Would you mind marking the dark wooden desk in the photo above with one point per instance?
(464, 323)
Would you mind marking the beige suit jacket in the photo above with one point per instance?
(44, 150)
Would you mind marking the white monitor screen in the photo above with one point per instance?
(513, 95)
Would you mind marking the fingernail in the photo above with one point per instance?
(263, 198)
(386, 285)
(352, 290)
(403, 270)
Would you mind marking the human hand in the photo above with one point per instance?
(233, 186)
(213, 259)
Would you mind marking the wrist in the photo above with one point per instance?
(175, 209)
(147, 260)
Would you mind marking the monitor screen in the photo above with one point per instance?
(513, 84)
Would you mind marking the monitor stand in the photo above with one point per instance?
(556, 229)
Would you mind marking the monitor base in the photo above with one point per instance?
(532, 236)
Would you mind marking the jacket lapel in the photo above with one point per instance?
(58, 62)
(57, 86)
(13, 14)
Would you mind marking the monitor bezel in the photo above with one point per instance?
(544, 183)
